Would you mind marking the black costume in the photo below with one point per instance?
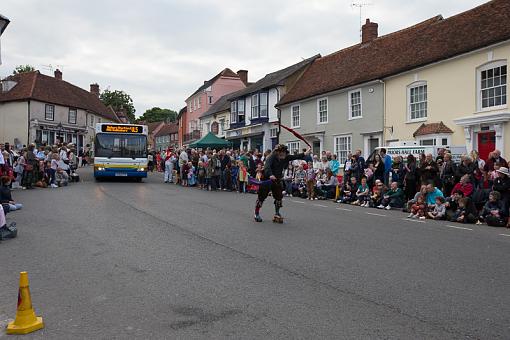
(274, 166)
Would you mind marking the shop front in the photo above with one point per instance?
(50, 134)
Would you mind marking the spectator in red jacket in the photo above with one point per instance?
(464, 185)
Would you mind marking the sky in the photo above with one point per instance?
(161, 51)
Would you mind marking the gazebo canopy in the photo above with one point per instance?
(210, 141)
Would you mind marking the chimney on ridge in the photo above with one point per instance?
(369, 31)
(58, 74)
(94, 89)
(243, 74)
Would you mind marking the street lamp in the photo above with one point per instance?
(3, 23)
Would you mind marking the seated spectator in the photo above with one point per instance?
(288, 177)
(464, 185)
(348, 192)
(61, 178)
(393, 198)
(310, 181)
(418, 208)
(494, 213)
(6, 196)
(466, 211)
(299, 184)
(439, 211)
(502, 185)
(432, 193)
(363, 194)
(329, 187)
(377, 193)
(422, 192)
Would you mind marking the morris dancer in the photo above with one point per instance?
(273, 173)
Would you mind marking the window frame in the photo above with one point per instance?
(243, 111)
(273, 132)
(255, 108)
(91, 121)
(410, 87)
(342, 160)
(75, 115)
(52, 113)
(290, 146)
(233, 112)
(292, 125)
(349, 94)
(485, 67)
(319, 112)
(263, 104)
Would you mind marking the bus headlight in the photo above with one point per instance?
(141, 169)
(101, 169)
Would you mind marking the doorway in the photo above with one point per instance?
(373, 143)
(486, 143)
(316, 148)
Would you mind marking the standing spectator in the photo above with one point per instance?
(288, 176)
(479, 172)
(429, 171)
(361, 160)
(183, 159)
(334, 165)
(379, 168)
(243, 177)
(387, 165)
(397, 171)
(225, 164)
(169, 166)
(410, 178)
(448, 173)
(466, 167)
(494, 156)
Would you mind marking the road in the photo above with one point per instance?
(118, 260)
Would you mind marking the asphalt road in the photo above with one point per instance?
(119, 260)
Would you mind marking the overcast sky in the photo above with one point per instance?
(160, 51)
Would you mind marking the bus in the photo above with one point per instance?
(120, 150)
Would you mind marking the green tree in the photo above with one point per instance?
(119, 100)
(157, 114)
(23, 69)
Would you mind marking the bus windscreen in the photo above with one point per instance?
(121, 146)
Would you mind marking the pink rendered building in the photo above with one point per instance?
(201, 100)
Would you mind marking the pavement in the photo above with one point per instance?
(126, 260)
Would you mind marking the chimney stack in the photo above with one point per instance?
(58, 74)
(369, 32)
(243, 74)
(94, 89)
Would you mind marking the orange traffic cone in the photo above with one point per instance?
(26, 321)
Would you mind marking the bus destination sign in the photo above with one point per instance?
(121, 128)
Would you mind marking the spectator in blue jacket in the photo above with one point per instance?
(432, 194)
(387, 165)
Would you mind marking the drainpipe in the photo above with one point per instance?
(279, 115)
(28, 132)
(383, 142)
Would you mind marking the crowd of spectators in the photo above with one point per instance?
(470, 191)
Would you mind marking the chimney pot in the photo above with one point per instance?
(369, 31)
(243, 74)
(94, 89)
(58, 74)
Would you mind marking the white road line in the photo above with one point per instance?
(320, 205)
(344, 209)
(504, 235)
(455, 227)
(412, 220)
(374, 214)
(297, 202)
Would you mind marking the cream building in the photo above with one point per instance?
(216, 119)
(459, 99)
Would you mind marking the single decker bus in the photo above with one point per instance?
(120, 150)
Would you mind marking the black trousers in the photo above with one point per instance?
(276, 188)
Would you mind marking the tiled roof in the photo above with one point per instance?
(430, 41)
(432, 128)
(153, 126)
(273, 79)
(37, 86)
(225, 73)
(168, 129)
(220, 105)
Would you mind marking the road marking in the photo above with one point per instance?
(374, 214)
(455, 227)
(297, 202)
(320, 205)
(344, 209)
(504, 235)
(412, 220)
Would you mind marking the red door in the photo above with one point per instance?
(486, 143)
